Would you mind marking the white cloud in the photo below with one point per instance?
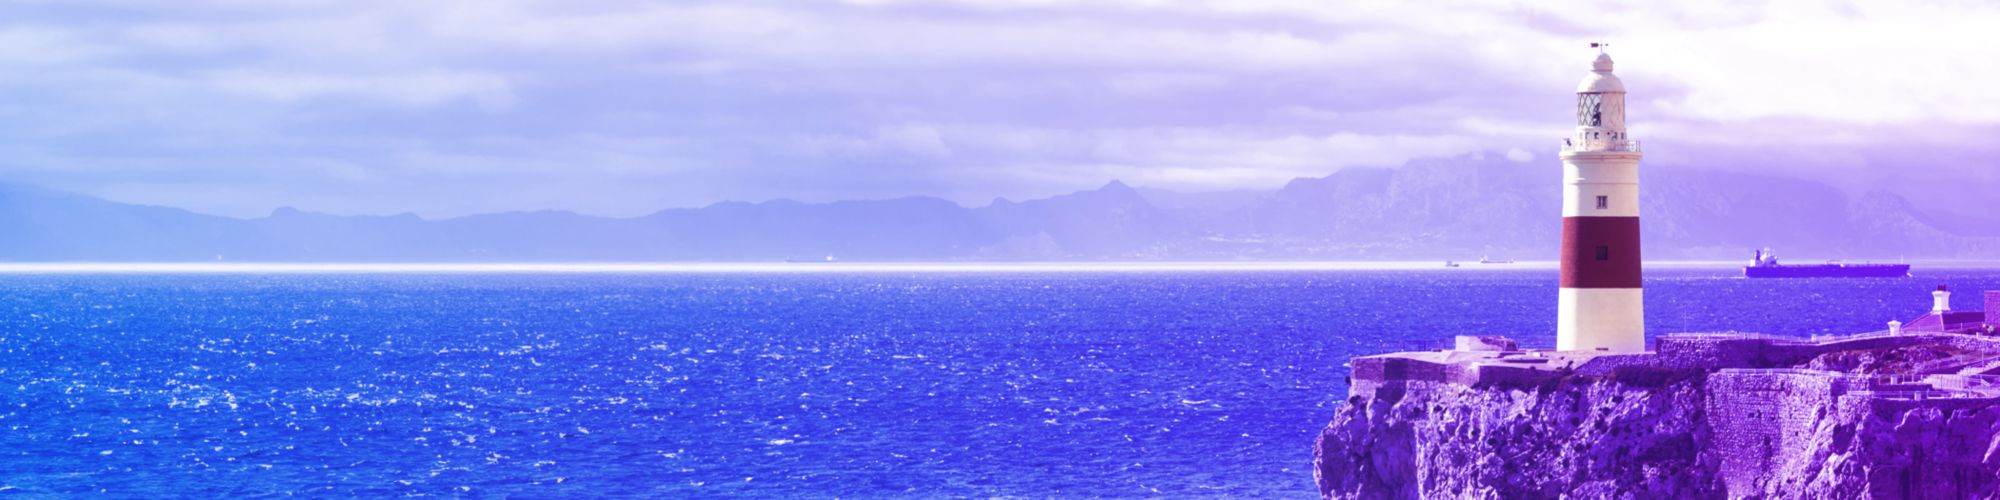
(427, 88)
(34, 47)
(973, 98)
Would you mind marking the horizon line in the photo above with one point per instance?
(822, 267)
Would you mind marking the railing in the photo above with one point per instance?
(1829, 338)
(1740, 336)
(1967, 383)
(1947, 329)
(1573, 145)
(1887, 379)
(1784, 371)
(1911, 395)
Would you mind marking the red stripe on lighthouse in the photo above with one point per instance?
(1586, 239)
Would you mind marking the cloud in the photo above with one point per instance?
(626, 107)
(425, 88)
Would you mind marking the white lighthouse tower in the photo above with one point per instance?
(1601, 306)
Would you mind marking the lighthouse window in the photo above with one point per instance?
(1590, 110)
(1603, 253)
(1603, 202)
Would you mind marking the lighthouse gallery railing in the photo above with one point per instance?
(1589, 145)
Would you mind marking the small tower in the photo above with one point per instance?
(1600, 306)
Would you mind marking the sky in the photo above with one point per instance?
(621, 108)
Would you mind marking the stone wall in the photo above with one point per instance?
(1993, 307)
(1762, 421)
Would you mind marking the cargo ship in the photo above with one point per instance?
(1765, 265)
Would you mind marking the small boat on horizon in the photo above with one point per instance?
(1489, 260)
(829, 259)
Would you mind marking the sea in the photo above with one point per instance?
(883, 383)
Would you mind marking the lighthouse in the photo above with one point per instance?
(1601, 307)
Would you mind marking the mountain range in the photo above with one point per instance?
(1460, 208)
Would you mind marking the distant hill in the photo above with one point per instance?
(1450, 208)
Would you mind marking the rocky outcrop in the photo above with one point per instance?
(1595, 439)
(1659, 426)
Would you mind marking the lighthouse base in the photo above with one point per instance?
(1606, 319)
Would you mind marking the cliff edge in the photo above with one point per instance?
(1704, 416)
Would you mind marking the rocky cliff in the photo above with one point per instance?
(1708, 417)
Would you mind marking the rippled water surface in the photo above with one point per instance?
(815, 385)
